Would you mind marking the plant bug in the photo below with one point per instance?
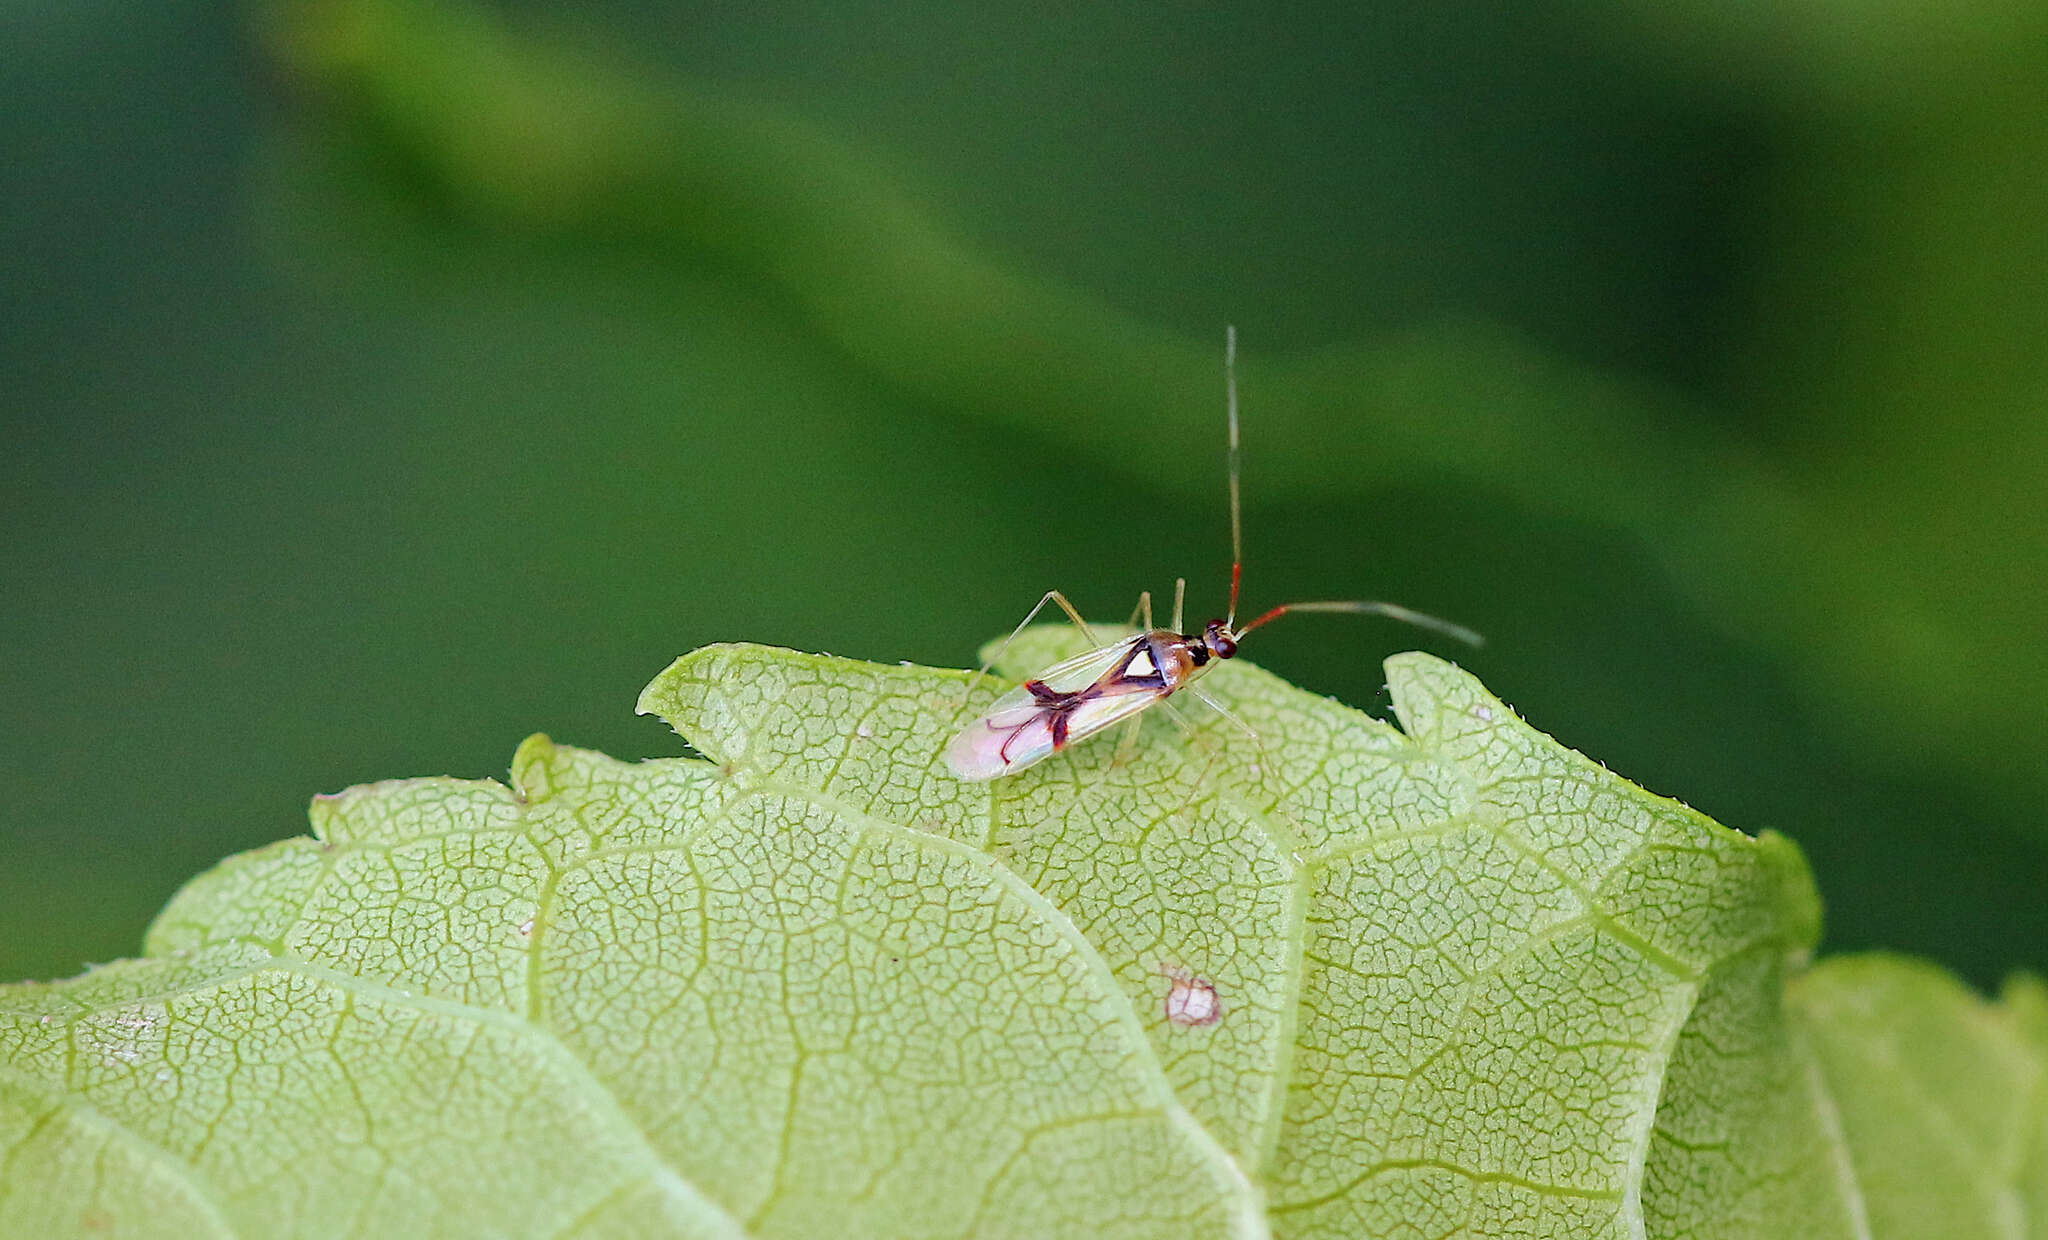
(1074, 699)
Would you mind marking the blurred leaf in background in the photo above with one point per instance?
(415, 374)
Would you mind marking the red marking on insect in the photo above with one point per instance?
(1074, 699)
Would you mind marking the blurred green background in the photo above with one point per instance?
(384, 380)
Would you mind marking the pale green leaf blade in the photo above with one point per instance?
(1937, 1097)
(1467, 983)
(283, 1098)
(1882, 1099)
(1454, 961)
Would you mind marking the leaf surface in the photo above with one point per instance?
(1340, 980)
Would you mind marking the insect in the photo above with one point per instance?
(1073, 700)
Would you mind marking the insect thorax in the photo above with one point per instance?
(1174, 657)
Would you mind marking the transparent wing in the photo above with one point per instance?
(1005, 742)
(1017, 731)
(1094, 716)
(1075, 674)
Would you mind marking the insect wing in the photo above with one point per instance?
(1075, 674)
(1066, 676)
(1017, 731)
(1005, 742)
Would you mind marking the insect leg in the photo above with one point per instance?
(1143, 611)
(1135, 723)
(1226, 712)
(1128, 742)
(1073, 615)
(1180, 598)
(1051, 596)
(1180, 720)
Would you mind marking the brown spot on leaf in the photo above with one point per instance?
(1191, 1001)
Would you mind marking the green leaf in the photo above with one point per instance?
(1467, 983)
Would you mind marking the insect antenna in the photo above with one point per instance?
(1236, 470)
(1392, 611)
